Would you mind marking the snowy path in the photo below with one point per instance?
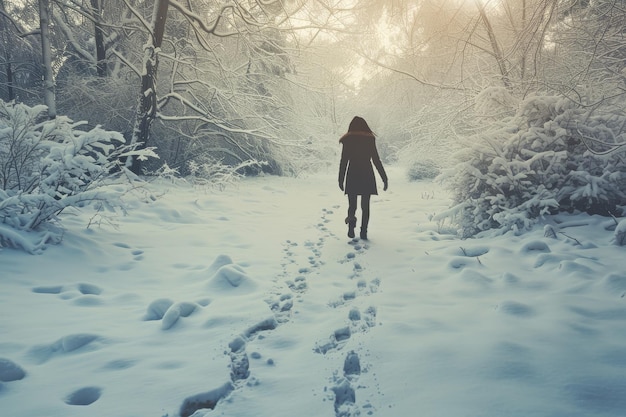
(253, 303)
(319, 287)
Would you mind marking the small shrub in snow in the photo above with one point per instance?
(47, 166)
(423, 169)
(213, 172)
(549, 231)
(553, 155)
(619, 237)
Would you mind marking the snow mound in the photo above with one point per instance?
(615, 284)
(220, 261)
(619, 238)
(157, 309)
(535, 246)
(229, 276)
(175, 312)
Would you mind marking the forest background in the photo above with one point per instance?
(518, 104)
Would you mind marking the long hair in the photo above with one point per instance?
(358, 125)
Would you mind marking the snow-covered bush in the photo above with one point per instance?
(421, 169)
(619, 237)
(210, 171)
(47, 166)
(494, 103)
(552, 155)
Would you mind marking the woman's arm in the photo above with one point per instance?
(379, 165)
(343, 165)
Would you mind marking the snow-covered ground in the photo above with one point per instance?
(253, 298)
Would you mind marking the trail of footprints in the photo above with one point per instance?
(345, 380)
(282, 304)
(343, 388)
(298, 265)
(288, 292)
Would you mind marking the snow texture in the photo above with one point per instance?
(252, 302)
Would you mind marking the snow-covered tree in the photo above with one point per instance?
(552, 155)
(20, 54)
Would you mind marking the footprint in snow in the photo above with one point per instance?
(324, 221)
(84, 396)
(345, 397)
(370, 316)
(358, 322)
(343, 389)
(281, 306)
(75, 343)
(459, 263)
(83, 294)
(363, 289)
(352, 365)
(239, 362)
(51, 289)
(359, 245)
(336, 341)
(205, 400)
(10, 371)
(119, 364)
(298, 285)
(289, 247)
(515, 309)
(137, 254)
(362, 321)
(90, 289)
(86, 291)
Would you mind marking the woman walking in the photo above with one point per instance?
(359, 151)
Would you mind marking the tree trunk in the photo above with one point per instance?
(46, 53)
(497, 53)
(147, 103)
(10, 82)
(101, 64)
(523, 59)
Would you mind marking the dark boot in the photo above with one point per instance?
(351, 222)
(363, 233)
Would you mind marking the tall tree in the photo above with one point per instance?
(496, 51)
(46, 53)
(20, 55)
(147, 105)
(589, 50)
(101, 65)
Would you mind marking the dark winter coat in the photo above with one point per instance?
(358, 153)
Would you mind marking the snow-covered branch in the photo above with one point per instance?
(47, 167)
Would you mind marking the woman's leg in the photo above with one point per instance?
(351, 219)
(351, 205)
(365, 209)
